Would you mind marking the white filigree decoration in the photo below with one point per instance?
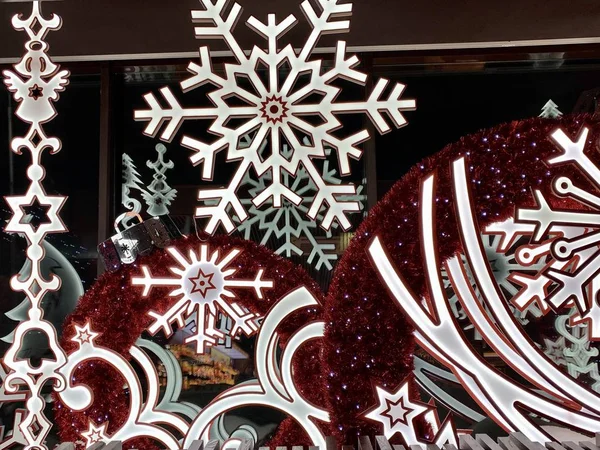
(398, 411)
(278, 110)
(565, 242)
(203, 284)
(275, 387)
(35, 85)
(159, 195)
(148, 415)
(507, 401)
(290, 221)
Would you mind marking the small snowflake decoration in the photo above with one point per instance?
(203, 284)
(277, 111)
(566, 242)
(290, 222)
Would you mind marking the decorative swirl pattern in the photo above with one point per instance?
(35, 84)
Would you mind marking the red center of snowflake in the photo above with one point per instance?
(274, 109)
(202, 283)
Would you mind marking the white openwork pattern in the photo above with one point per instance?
(508, 402)
(35, 84)
(279, 110)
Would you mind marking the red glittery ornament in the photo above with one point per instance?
(117, 310)
(367, 339)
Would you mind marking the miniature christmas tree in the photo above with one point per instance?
(550, 110)
(131, 180)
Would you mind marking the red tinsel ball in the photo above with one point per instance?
(117, 310)
(367, 339)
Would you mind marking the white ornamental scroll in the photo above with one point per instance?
(510, 404)
(35, 84)
(273, 388)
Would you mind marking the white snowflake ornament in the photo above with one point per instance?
(203, 284)
(289, 223)
(565, 241)
(277, 111)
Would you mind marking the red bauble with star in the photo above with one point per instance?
(369, 345)
(121, 306)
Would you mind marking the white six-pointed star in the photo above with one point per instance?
(397, 411)
(203, 284)
(95, 434)
(290, 105)
(84, 335)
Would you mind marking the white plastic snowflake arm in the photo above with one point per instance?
(324, 23)
(201, 73)
(344, 68)
(175, 314)
(375, 106)
(243, 321)
(336, 209)
(214, 26)
(573, 152)
(173, 115)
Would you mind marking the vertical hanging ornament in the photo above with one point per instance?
(35, 84)
(160, 194)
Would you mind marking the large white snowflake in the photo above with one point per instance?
(203, 284)
(288, 106)
(566, 242)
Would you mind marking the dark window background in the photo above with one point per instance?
(454, 100)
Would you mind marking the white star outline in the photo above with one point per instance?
(203, 309)
(84, 335)
(95, 434)
(295, 100)
(412, 409)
